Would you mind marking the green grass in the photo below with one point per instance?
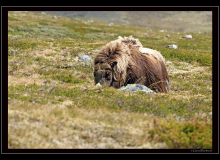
(67, 78)
(43, 54)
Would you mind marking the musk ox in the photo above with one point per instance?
(125, 61)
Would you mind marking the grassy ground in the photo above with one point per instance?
(53, 102)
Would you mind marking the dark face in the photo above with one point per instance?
(104, 74)
(104, 77)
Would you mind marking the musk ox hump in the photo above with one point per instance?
(156, 54)
(130, 40)
(135, 42)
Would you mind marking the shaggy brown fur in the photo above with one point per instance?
(138, 45)
(128, 66)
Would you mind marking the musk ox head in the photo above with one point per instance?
(106, 74)
(111, 63)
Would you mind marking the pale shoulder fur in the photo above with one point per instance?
(156, 54)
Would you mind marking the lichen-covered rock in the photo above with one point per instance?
(172, 46)
(168, 62)
(85, 58)
(188, 36)
(136, 87)
(110, 24)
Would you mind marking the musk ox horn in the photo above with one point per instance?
(115, 77)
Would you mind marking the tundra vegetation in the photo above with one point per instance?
(54, 103)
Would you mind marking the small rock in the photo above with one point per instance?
(168, 62)
(188, 36)
(85, 58)
(172, 46)
(136, 87)
(161, 31)
(110, 24)
(55, 17)
(168, 36)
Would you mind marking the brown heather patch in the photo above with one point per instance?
(66, 126)
(186, 68)
(25, 80)
(188, 97)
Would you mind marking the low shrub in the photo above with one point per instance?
(187, 135)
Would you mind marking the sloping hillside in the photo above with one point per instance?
(53, 102)
(184, 21)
